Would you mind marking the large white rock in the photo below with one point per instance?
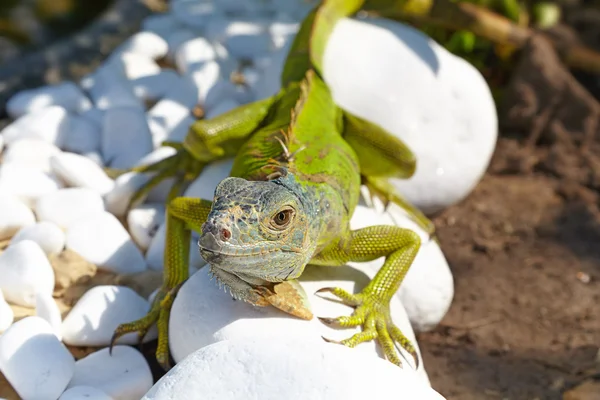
(122, 375)
(34, 361)
(437, 103)
(49, 124)
(203, 314)
(80, 171)
(32, 153)
(154, 87)
(25, 272)
(27, 183)
(193, 53)
(46, 234)
(14, 215)
(84, 392)
(7, 315)
(94, 318)
(204, 185)
(68, 205)
(124, 126)
(102, 240)
(109, 87)
(286, 368)
(65, 94)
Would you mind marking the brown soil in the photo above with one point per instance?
(524, 248)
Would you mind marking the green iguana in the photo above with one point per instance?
(295, 183)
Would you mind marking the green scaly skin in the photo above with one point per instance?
(294, 185)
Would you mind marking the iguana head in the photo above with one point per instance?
(258, 230)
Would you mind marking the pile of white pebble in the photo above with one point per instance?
(55, 195)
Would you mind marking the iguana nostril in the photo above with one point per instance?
(225, 234)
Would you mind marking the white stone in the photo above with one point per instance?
(84, 392)
(147, 44)
(193, 53)
(46, 234)
(49, 124)
(85, 134)
(203, 314)
(66, 206)
(167, 119)
(123, 127)
(7, 316)
(95, 157)
(95, 115)
(204, 186)
(135, 65)
(437, 103)
(287, 368)
(143, 222)
(31, 153)
(102, 240)
(205, 77)
(25, 272)
(14, 215)
(175, 38)
(193, 14)
(34, 361)
(109, 87)
(428, 288)
(122, 375)
(125, 187)
(154, 87)
(221, 108)
(47, 309)
(80, 171)
(66, 94)
(246, 39)
(282, 29)
(157, 155)
(26, 183)
(94, 318)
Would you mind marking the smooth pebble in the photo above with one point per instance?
(147, 44)
(47, 309)
(143, 222)
(84, 134)
(31, 153)
(125, 187)
(49, 124)
(155, 87)
(7, 315)
(34, 361)
(122, 127)
(122, 375)
(65, 94)
(80, 171)
(46, 234)
(102, 240)
(93, 319)
(69, 205)
(25, 272)
(193, 53)
(27, 183)
(109, 87)
(14, 215)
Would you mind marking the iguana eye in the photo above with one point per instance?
(283, 218)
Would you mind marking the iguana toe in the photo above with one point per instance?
(372, 313)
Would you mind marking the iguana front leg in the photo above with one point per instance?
(372, 312)
(184, 214)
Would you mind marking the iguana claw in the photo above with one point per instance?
(372, 312)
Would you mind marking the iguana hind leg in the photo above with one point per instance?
(184, 214)
(372, 304)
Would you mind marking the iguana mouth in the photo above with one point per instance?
(210, 246)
